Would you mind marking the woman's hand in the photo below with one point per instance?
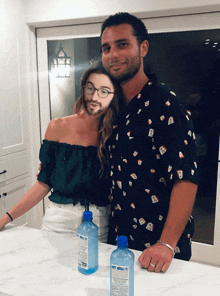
(40, 168)
(4, 220)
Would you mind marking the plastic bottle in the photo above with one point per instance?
(122, 269)
(87, 245)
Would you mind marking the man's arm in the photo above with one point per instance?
(158, 257)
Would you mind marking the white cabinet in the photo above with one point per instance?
(13, 125)
(16, 123)
(13, 166)
(10, 194)
(14, 181)
(13, 97)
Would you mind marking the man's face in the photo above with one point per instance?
(95, 105)
(120, 52)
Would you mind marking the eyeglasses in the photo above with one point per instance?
(102, 92)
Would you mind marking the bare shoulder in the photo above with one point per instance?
(57, 127)
(52, 129)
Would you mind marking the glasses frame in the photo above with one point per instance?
(97, 89)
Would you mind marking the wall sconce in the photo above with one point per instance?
(62, 63)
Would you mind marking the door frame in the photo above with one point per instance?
(208, 254)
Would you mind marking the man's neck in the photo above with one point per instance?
(133, 87)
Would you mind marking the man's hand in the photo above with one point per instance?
(156, 258)
(40, 168)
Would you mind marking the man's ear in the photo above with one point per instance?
(144, 48)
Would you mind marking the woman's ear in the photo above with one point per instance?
(144, 48)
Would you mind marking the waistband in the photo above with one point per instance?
(84, 200)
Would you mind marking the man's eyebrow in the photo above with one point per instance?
(117, 41)
(104, 45)
(102, 86)
(121, 40)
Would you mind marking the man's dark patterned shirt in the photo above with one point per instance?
(152, 146)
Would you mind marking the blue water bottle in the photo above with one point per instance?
(87, 245)
(122, 269)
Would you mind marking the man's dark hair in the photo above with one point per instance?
(139, 29)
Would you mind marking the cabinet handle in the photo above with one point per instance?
(5, 194)
(3, 172)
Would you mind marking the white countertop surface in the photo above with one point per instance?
(39, 263)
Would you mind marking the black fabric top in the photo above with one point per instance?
(151, 147)
(74, 174)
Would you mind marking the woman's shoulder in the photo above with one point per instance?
(57, 127)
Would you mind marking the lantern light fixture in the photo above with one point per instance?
(62, 63)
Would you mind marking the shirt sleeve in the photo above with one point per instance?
(175, 141)
(47, 158)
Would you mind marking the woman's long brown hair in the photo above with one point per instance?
(108, 117)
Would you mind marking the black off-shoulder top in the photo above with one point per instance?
(73, 173)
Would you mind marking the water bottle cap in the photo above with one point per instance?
(87, 215)
(122, 241)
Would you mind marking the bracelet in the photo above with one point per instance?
(167, 245)
(9, 216)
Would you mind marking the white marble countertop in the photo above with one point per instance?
(39, 263)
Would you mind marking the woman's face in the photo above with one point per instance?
(98, 93)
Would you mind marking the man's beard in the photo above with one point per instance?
(93, 112)
(131, 71)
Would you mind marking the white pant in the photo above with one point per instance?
(65, 218)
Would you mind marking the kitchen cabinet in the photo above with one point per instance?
(18, 127)
(14, 181)
(13, 166)
(13, 117)
(14, 178)
(10, 194)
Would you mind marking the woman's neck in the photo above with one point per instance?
(90, 122)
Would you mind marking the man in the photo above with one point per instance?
(152, 153)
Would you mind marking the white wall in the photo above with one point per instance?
(12, 52)
(58, 12)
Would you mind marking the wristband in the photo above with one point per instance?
(9, 216)
(167, 245)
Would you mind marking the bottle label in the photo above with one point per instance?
(120, 280)
(83, 251)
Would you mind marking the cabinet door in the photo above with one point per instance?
(13, 131)
(13, 99)
(11, 194)
(13, 166)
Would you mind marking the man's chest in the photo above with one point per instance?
(133, 135)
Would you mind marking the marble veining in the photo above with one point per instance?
(40, 263)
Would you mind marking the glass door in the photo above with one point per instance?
(184, 54)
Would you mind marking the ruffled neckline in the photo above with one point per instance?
(69, 145)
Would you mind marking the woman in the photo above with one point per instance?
(73, 157)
